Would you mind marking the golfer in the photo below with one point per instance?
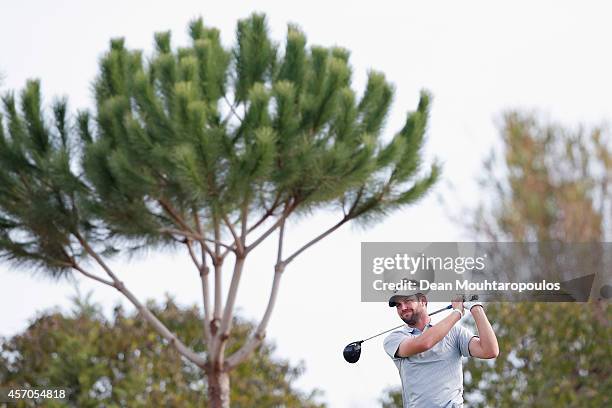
(428, 356)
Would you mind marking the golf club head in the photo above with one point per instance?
(352, 352)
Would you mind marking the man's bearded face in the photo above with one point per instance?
(410, 310)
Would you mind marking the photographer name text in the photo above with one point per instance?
(464, 285)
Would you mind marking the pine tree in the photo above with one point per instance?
(206, 149)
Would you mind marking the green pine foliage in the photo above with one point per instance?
(202, 132)
(38, 188)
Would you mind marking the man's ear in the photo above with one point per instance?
(424, 299)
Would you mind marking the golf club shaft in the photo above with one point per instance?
(387, 331)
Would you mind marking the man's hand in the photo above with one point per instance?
(458, 304)
(484, 346)
(469, 305)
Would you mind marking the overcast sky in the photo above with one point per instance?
(478, 58)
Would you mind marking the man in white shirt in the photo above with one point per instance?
(428, 356)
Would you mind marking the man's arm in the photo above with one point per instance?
(484, 346)
(419, 344)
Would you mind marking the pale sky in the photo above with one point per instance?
(478, 58)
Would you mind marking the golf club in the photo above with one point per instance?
(352, 351)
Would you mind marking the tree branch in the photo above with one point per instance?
(231, 106)
(218, 264)
(91, 276)
(173, 214)
(249, 346)
(281, 236)
(193, 257)
(359, 194)
(243, 222)
(237, 240)
(250, 229)
(317, 239)
(288, 209)
(226, 246)
(206, 302)
(187, 230)
(144, 311)
(197, 237)
(186, 234)
(216, 321)
(203, 273)
(267, 214)
(226, 322)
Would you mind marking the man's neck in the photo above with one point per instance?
(422, 323)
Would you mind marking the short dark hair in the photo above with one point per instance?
(416, 297)
(420, 296)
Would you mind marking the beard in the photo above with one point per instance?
(413, 319)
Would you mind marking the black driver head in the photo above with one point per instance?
(352, 352)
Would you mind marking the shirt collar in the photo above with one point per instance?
(412, 329)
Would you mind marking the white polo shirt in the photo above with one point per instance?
(433, 378)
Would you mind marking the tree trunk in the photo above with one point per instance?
(218, 388)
